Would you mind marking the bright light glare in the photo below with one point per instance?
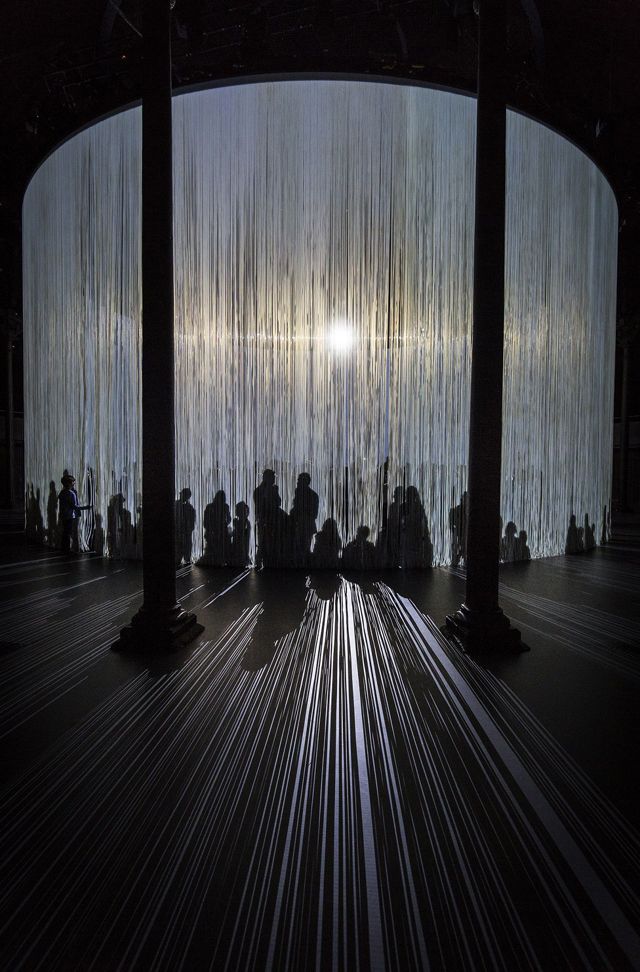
(341, 336)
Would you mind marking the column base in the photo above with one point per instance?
(482, 632)
(155, 631)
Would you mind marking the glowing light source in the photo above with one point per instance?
(341, 336)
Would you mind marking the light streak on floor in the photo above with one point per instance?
(354, 794)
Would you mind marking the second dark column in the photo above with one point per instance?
(479, 624)
(160, 624)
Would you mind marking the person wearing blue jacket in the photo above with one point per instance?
(70, 512)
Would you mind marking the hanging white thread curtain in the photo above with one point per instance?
(299, 204)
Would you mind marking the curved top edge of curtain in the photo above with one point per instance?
(250, 79)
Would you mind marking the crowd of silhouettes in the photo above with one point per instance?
(404, 540)
(513, 545)
(282, 539)
(292, 539)
(581, 539)
(226, 543)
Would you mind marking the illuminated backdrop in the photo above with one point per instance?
(301, 206)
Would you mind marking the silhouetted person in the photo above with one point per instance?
(589, 533)
(392, 549)
(241, 537)
(266, 500)
(28, 512)
(70, 512)
(303, 519)
(360, 553)
(138, 534)
(327, 546)
(217, 520)
(417, 549)
(522, 550)
(119, 528)
(185, 524)
(98, 536)
(458, 528)
(34, 526)
(508, 543)
(572, 542)
(603, 533)
(52, 515)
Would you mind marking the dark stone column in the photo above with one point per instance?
(479, 624)
(11, 451)
(160, 624)
(624, 428)
(10, 329)
(9, 492)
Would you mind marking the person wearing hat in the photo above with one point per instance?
(69, 514)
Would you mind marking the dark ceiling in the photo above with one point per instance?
(572, 63)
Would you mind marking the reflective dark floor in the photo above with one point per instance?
(321, 781)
